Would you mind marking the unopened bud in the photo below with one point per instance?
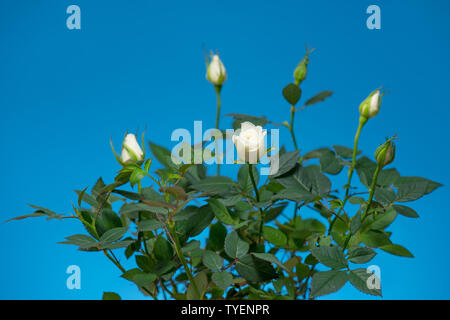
(215, 71)
(302, 69)
(131, 151)
(385, 153)
(371, 105)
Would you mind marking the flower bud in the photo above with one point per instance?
(385, 153)
(302, 69)
(250, 142)
(215, 71)
(131, 151)
(371, 105)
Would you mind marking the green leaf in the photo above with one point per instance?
(385, 196)
(326, 282)
(151, 194)
(270, 258)
(111, 296)
(128, 194)
(411, 191)
(113, 234)
(315, 180)
(292, 93)
(274, 236)
(359, 279)
(177, 192)
(330, 256)
(254, 269)
(196, 292)
(140, 278)
(235, 247)
(302, 271)
(131, 210)
(321, 96)
(222, 279)
(163, 249)
(150, 225)
(217, 234)
(306, 227)
(311, 260)
(137, 175)
(308, 179)
(220, 211)
(388, 177)
(214, 184)
(32, 215)
(107, 220)
(294, 194)
(193, 220)
(212, 260)
(430, 185)
(375, 239)
(329, 162)
(383, 220)
(345, 152)
(162, 154)
(397, 250)
(274, 212)
(361, 254)
(239, 118)
(405, 211)
(84, 197)
(81, 240)
(287, 162)
(231, 200)
(365, 169)
(117, 245)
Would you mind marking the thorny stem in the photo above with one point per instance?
(163, 286)
(118, 265)
(219, 104)
(372, 190)
(291, 127)
(182, 259)
(362, 122)
(369, 202)
(261, 213)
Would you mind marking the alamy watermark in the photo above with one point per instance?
(74, 280)
(374, 280)
(74, 20)
(374, 20)
(215, 147)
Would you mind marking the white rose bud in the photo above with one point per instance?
(131, 151)
(249, 142)
(371, 105)
(215, 72)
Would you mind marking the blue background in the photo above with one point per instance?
(137, 64)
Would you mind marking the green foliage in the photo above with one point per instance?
(326, 282)
(359, 277)
(234, 246)
(111, 296)
(292, 93)
(259, 245)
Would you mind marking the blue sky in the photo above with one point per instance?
(140, 64)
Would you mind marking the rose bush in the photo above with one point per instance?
(255, 247)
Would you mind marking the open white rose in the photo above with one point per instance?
(131, 151)
(250, 142)
(216, 72)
